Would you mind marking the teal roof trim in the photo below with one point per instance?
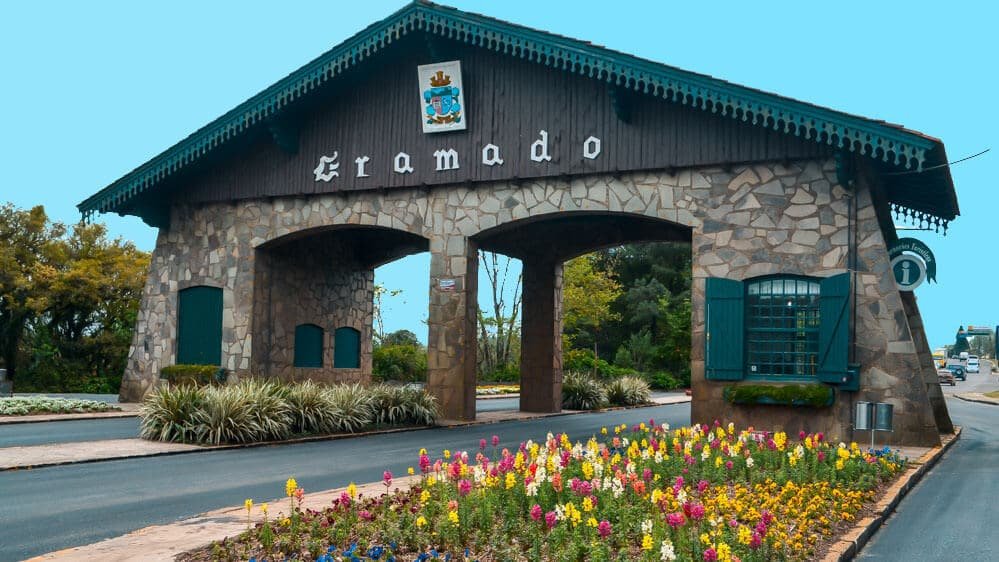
(879, 140)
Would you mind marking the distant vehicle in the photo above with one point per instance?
(973, 364)
(944, 376)
(940, 357)
(963, 356)
(958, 371)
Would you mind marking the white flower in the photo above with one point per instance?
(750, 462)
(647, 527)
(532, 488)
(658, 458)
(682, 496)
(705, 453)
(666, 552)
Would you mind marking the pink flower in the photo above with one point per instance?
(729, 465)
(675, 519)
(536, 512)
(710, 555)
(822, 456)
(424, 463)
(802, 435)
(702, 485)
(550, 519)
(482, 444)
(345, 499)
(819, 436)
(464, 487)
(766, 517)
(366, 515)
(604, 529)
(647, 474)
(387, 477)
(495, 440)
(755, 541)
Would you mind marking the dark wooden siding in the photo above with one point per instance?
(377, 113)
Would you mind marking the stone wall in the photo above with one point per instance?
(317, 281)
(745, 222)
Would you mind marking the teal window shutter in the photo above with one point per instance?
(346, 348)
(724, 330)
(199, 326)
(308, 346)
(834, 328)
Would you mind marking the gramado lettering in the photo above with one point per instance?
(446, 158)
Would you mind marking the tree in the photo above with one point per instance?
(379, 306)
(26, 257)
(587, 294)
(401, 337)
(960, 343)
(499, 333)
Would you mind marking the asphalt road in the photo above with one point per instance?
(950, 514)
(21, 434)
(57, 507)
(983, 381)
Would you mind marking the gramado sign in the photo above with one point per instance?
(446, 159)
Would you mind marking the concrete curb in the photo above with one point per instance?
(978, 398)
(495, 396)
(850, 544)
(43, 418)
(335, 437)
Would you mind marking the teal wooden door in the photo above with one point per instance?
(199, 326)
(346, 348)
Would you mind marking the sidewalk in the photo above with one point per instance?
(37, 456)
(977, 397)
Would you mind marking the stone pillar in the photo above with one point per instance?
(541, 337)
(451, 346)
(929, 369)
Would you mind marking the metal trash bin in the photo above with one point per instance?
(862, 417)
(883, 416)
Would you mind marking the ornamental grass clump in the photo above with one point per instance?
(581, 391)
(168, 414)
(645, 493)
(310, 409)
(351, 407)
(628, 391)
(397, 405)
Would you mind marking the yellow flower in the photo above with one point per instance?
(453, 517)
(352, 490)
(447, 454)
(423, 451)
(290, 486)
(421, 521)
(410, 471)
(248, 504)
(511, 480)
(839, 464)
(286, 522)
(263, 508)
(591, 522)
(424, 496)
(603, 431)
(647, 542)
(587, 504)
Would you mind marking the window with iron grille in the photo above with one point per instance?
(782, 327)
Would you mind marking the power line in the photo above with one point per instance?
(938, 165)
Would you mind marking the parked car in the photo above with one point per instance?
(944, 376)
(958, 371)
(973, 364)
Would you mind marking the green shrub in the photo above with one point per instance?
(628, 391)
(310, 408)
(26, 405)
(583, 361)
(503, 373)
(168, 414)
(815, 395)
(200, 375)
(397, 405)
(661, 380)
(399, 362)
(581, 391)
(269, 404)
(226, 416)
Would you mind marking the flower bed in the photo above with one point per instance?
(648, 493)
(493, 390)
(29, 405)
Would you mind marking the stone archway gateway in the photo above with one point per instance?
(444, 131)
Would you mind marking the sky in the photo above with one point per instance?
(92, 90)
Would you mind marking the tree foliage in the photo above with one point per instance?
(587, 294)
(499, 328)
(68, 302)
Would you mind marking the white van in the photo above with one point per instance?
(972, 363)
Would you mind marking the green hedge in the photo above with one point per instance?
(200, 375)
(814, 395)
(399, 362)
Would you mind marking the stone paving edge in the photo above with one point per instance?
(854, 540)
(339, 436)
(977, 397)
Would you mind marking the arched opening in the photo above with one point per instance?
(543, 245)
(316, 282)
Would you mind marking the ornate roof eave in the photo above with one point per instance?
(884, 142)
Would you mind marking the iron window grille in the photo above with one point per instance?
(782, 327)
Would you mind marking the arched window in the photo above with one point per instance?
(346, 348)
(308, 346)
(199, 326)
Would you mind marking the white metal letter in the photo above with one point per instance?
(327, 168)
(446, 159)
(491, 155)
(360, 161)
(539, 149)
(591, 148)
(401, 165)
